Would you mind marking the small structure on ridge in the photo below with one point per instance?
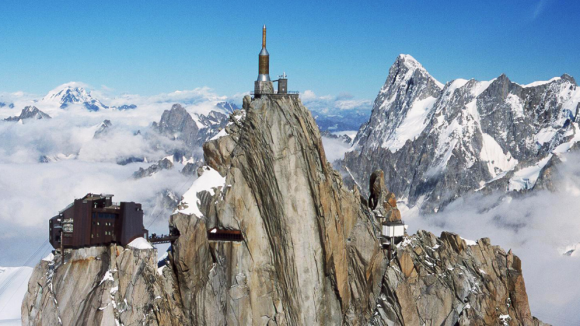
(384, 206)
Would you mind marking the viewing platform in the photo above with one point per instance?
(275, 94)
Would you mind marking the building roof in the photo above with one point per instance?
(90, 196)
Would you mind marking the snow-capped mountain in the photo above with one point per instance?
(436, 142)
(73, 93)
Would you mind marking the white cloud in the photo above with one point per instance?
(334, 148)
(308, 95)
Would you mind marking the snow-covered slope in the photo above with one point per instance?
(13, 286)
(438, 142)
(402, 107)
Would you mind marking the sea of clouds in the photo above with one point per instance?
(32, 192)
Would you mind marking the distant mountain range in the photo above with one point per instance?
(437, 141)
(340, 120)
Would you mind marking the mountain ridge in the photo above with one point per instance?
(436, 144)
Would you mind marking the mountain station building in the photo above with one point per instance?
(95, 220)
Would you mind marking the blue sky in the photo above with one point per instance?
(329, 47)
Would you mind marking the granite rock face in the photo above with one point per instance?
(447, 280)
(99, 286)
(310, 254)
(437, 142)
(381, 201)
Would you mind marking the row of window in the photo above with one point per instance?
(106, 223)
(105, 215)
(106, 233)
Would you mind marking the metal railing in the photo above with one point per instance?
(276, 93)
(154, 238)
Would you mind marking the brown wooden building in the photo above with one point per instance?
(95, 220)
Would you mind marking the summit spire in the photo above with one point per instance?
(264, 60)
(264, 37)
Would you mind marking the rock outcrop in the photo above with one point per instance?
(452, 281)
(164, 164)
(310, 253)
(382, 201)
(99, 286)
(177, 123)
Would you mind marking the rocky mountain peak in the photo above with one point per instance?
(193, 129)
(503, 78)
(407, 84)
(103, 129)
(408, 61)
(177, 123)
(29, 112)
(569, 78)
(407, 70)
